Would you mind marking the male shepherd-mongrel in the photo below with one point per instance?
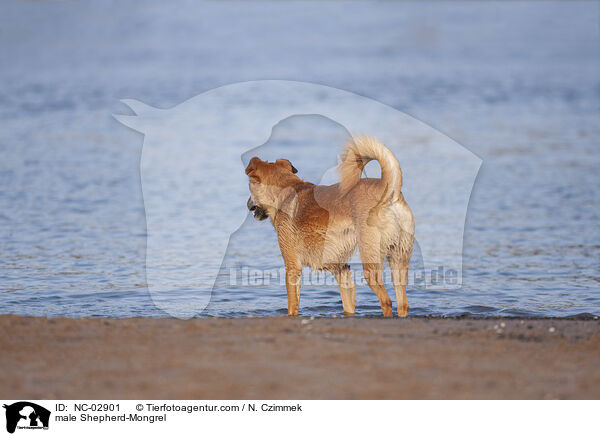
(321, 226)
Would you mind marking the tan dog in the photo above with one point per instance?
(321, 226)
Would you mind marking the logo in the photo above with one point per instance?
(26, 415)
(193, 161)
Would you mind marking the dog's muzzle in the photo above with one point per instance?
(259, 213)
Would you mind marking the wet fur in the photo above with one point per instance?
(321, 226)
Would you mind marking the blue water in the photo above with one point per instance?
(518, 84)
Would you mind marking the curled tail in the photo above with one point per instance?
(359, 151)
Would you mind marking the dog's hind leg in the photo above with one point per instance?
(372, 260)
(398, 257)
(374, 276)
(343, 275)
(399, 268)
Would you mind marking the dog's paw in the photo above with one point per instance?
(387, 311)
(403, 311)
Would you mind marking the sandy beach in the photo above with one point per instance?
(281, 358)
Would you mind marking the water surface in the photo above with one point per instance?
(518, 84)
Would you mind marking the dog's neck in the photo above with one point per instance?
(286, 200)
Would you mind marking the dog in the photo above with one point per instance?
(321, 226)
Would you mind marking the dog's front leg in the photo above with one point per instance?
(347, 287)
(293, 278)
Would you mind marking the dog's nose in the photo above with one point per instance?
(250, 204)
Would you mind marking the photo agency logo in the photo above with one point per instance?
(25, 415)
(200, 235)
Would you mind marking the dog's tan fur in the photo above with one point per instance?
(321, 226)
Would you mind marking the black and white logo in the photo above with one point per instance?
(26, 415)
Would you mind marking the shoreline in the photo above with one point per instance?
(300, 358)
(585, 316)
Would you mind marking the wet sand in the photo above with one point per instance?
(281, 358)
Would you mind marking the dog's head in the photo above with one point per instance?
(267, 180)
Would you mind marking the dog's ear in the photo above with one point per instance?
(251, 169)
(252, 164)
(287, 164)
(254, 177)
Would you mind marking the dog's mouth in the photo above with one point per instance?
(258, 212)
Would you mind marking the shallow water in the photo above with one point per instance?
(517, 84)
